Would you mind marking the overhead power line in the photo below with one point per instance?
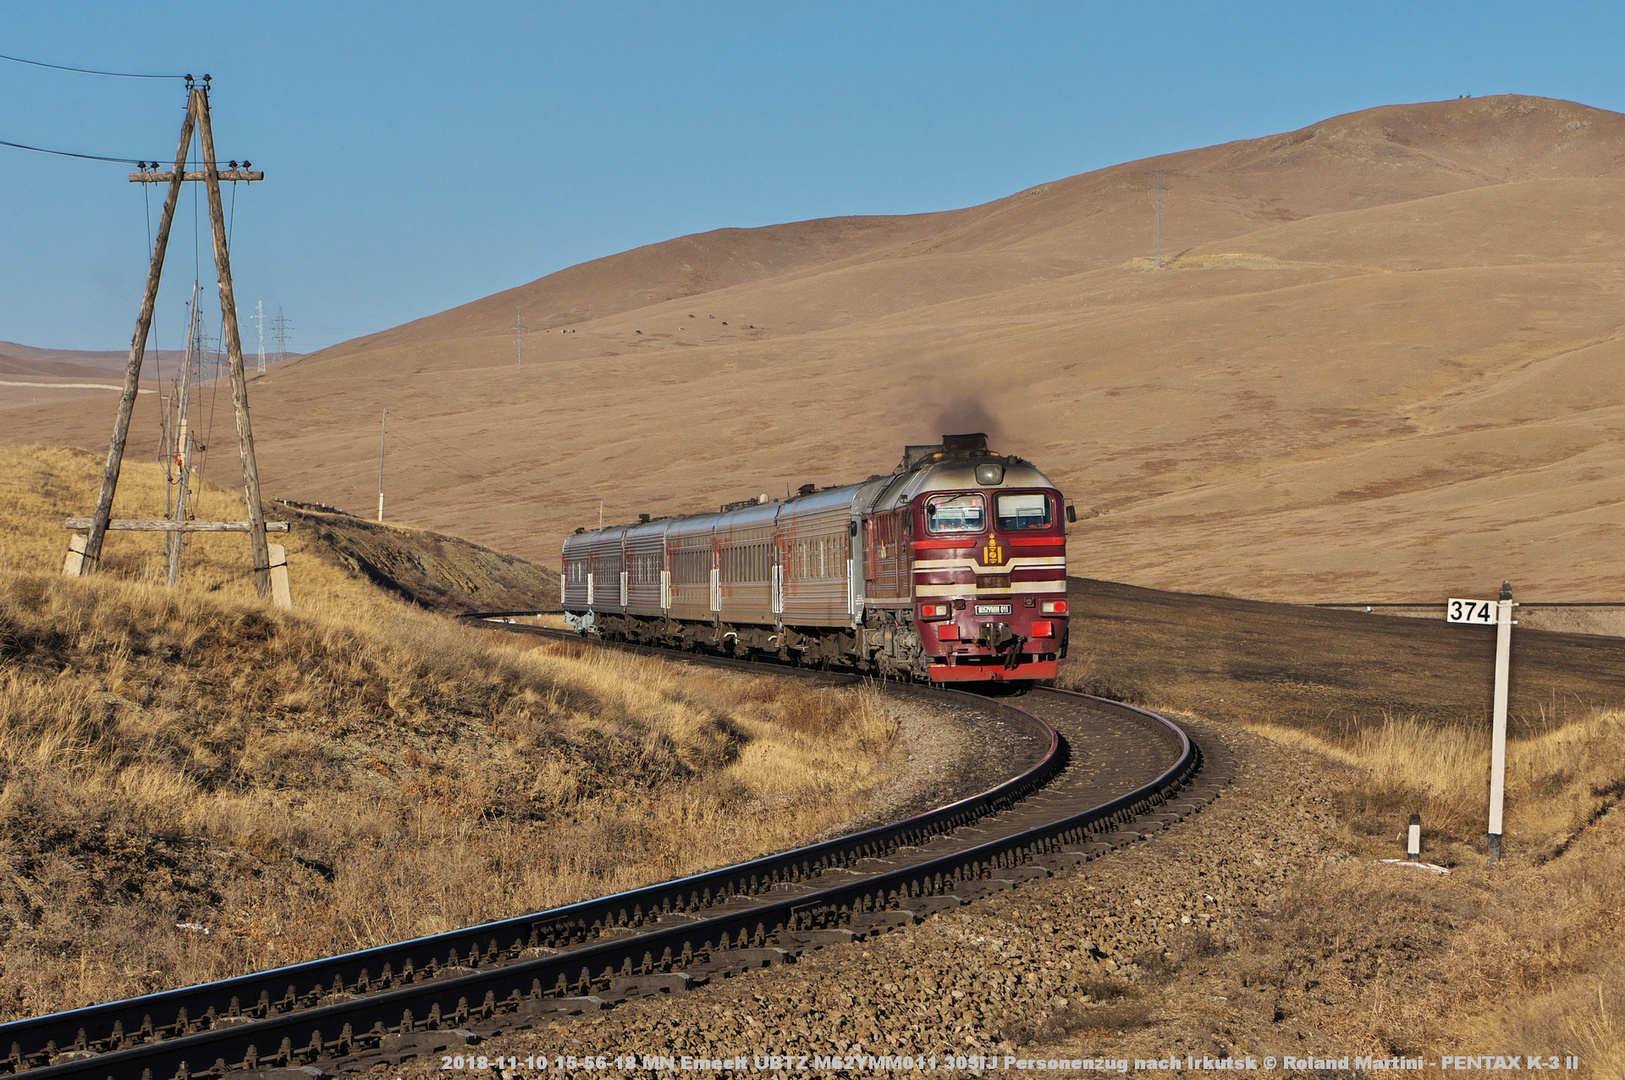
(138, 162)
(89, 71)
(69, 153)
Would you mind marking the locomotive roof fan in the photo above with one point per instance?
(971, 445)
(974, 445)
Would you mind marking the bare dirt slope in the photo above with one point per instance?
(1378, 362)
(441, 573)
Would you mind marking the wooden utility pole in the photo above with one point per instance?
(383, 435)
(197, 119)
(234, 347)
(138, 353)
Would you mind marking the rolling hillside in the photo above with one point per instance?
(1380, 359)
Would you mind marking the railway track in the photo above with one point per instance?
(1110, 773)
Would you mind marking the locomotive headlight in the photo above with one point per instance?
(1053, 607)
(933, 611)
(988, 474)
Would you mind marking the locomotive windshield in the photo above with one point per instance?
(965, 513)
(1024, 512)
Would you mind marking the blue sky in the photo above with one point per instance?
(422, 155)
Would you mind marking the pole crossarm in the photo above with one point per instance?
(137, 525)
(223, 174)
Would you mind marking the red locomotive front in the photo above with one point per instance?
(976, 545)
(990, 583)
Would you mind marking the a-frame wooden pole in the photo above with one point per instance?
(138, 353)
(234, 347)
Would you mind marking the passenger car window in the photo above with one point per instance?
(1024, 512)
(956, 513)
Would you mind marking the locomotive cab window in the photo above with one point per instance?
(965, 513)
(1017, 512)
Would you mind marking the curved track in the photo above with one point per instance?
(1110, 774)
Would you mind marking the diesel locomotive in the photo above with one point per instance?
(950, 569)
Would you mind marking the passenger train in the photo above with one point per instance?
(951, 569)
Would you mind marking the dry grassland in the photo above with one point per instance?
(192, 784)
(1324, 671)
(1523, 955)
(1559, 782)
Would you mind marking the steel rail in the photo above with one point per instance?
(408, 994)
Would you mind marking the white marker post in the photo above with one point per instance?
(1499, 614)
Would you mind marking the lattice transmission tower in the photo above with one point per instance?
(259, 322)
(280, 326)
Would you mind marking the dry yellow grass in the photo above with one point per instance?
(353, 772)
(1558, 781)
(42, 486)
(1525, 954)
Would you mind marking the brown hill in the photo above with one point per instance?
(41, 369)
(83, 362)
(1378, 360)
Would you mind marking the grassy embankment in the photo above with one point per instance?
(1532, 956)
(1521, 956)
(193, 784)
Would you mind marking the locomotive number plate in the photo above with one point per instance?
(992, 609)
